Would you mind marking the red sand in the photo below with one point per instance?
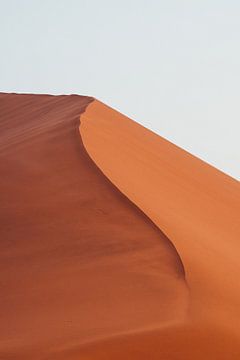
(79, 261)
(86, 271)
(196, 206)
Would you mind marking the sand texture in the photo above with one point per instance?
(115, 243)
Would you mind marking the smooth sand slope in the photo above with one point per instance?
(84, 273)
(197, 207)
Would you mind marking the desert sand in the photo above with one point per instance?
(194, 204)
(115, 243)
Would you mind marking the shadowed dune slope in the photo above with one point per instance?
(78, 260)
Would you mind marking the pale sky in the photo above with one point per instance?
(171, 65)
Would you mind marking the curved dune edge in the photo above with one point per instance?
(129, 198)
(194, 204)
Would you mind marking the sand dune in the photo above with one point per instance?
(115, 244)
(196, 205)
(79, 261)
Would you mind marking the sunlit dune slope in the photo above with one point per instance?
(78, 261)
(195, 205)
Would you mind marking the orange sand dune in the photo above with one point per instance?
(79, 261)
(135, 258)
(195, 205)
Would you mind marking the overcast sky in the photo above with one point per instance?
(172, 65)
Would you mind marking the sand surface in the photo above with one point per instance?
(80, 265)
(197, 207)
(115, 243)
